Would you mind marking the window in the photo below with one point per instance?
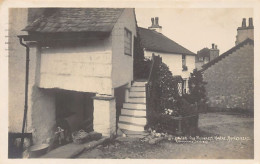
(128, 42)
(183, 60)
(184, 67)
(206, 59)
(200, 58)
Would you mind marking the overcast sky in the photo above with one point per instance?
(197, 28)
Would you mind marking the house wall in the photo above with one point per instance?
(122, 70)
(41, 120)
(230, 82)
(174, 62)
(16, 69)
(85, 67)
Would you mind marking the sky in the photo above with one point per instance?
(195, 29)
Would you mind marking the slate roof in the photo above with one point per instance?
(154, 41)
(225, 54)
(203, 52)
(76, 20)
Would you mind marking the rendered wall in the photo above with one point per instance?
(84, 67)
(16, 69)
(122, 71)
(174, 62)
(230, 82)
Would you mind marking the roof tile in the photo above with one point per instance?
(76, 20)
(154, 41)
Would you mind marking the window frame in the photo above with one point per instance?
(183, 57)
(131, 42)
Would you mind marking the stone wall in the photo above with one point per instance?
(230, 82)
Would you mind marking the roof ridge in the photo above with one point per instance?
(176, 45)
(225, 54)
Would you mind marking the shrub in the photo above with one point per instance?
(196, 88)
(168, 88)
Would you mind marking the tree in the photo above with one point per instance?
(197, 87)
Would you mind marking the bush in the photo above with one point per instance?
(168, 88)
(196, 88)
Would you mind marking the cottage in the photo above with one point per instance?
(80, 67)
(230, 77)
(205, 55)
(180, 60)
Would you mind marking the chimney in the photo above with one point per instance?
(244, 22)
(213, 52)
(152, 19)
(245, 32)
(156, 21)
(250, 22)
(155, 25)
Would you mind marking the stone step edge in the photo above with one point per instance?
(131, 132)
(137, 97)
(134, 109)
(126, 115)
(129, 123)
(135, 103)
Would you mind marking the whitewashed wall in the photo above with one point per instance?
(16, 69)
(174, 62)
(122, 70)
(85, 68)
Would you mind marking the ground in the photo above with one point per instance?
(235, 134)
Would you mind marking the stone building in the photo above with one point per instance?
(230, 77)
(180, 60)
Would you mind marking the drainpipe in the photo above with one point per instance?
(26, 88)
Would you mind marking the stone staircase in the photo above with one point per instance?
(133, 114)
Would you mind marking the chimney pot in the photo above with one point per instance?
(244, 22)
(216, 47)
(152, 19)
(156, 21)
(250, 22)
(213, 46)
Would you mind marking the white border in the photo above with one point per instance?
(255, 4)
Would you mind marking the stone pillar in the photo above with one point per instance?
(41, 103)
(105, 115)
(127, 90)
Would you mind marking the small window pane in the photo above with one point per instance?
(128, 42)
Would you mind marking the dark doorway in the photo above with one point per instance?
(74, 111)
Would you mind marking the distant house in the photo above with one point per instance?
(205, 55)
(80, 68)
(180, 60)
(230, 77)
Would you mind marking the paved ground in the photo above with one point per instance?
(235, 141)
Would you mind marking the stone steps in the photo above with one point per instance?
(137, 100)
(137, 89)
(132, 119)
(133, 114)
(134, 94)
(134, 106)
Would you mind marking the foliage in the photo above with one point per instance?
(196, 87)
(168, 88)
(141, 66)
